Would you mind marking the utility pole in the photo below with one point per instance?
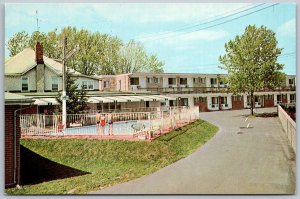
(64, 92)
(64, 96)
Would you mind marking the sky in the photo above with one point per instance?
(188, 37)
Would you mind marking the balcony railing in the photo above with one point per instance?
(187, 90)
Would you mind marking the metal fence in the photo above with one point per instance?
(289, 126)
(124, 123)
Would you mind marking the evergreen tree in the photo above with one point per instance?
(77, 100)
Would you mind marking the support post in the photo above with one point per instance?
(64, 92)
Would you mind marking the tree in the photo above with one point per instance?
(77, 100)
(17, 43)
(251, 62)
(135, 59)
(99, 53)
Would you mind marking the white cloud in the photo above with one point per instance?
(163, 12)
(288, 28)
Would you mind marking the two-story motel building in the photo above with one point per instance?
(204, 90)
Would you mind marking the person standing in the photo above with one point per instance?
(102, 124)
(110, 124)
(98, 116)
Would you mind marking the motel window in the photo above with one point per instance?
(213, 81)
(183, 81)
(163, 104)
(201, 80)
(196, 100)
(284, 97)
(54, 83)
(291, 81)
(24, 82)
(222, 83)
(214, 100)
(292, 98)
(172, 81)
(106, 84)
(89, 85)
(278, 98)
(172, 102)
(223, 100)
(134, 81)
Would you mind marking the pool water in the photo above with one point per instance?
(118, 128)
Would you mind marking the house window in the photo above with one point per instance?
(291, 81)
(148, 80)
(24, 82)
(134, 81)
(213, 81)
(155, 80)
(54, 83)
(89, 85)
(106, 84)
(172, 81)
(183, 81)
(194, 80)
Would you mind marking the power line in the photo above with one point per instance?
(199, 24)
(213, 25)
(285, 55)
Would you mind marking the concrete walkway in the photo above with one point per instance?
(236, 160)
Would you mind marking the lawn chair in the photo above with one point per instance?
(139, 130)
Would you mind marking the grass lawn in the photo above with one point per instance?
(112, 161)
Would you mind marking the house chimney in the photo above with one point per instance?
(39, 53)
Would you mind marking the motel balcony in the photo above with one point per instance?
(190, 90)
(185, 90)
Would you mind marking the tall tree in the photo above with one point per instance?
(99, 53)
(251, 62)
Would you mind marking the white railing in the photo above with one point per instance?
(123, 123)
(289, 126)
(124, 110)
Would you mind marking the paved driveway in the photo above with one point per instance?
(256, 160)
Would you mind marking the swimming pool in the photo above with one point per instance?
(118, 128)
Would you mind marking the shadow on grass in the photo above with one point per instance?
(36, 169)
